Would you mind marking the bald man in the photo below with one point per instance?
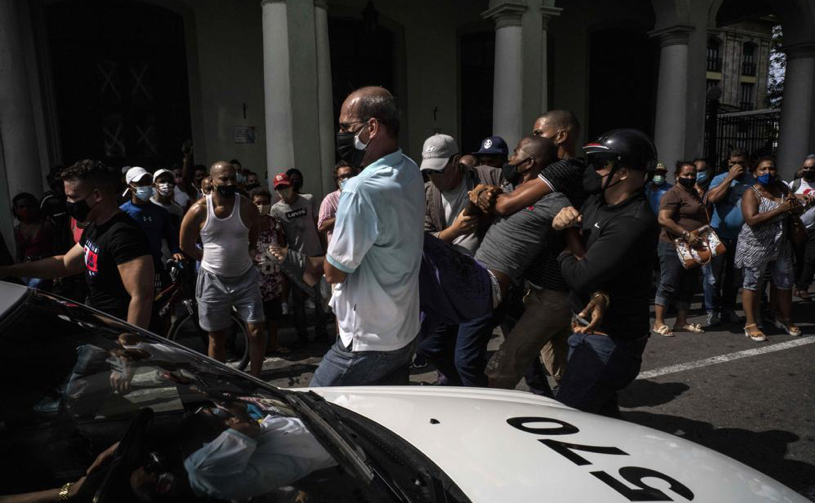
(375, 253)
(227, 224)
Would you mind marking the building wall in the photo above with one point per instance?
(733, 37)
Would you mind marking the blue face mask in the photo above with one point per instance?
(342, 183)
(143, 193)
(702, 177)
(240, 177)
(766, 179)
(658, 180)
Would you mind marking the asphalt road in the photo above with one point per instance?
(754, 402)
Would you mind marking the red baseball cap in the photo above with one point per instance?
(282, 179)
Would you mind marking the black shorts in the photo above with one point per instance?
(273, 309)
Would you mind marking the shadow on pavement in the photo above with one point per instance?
(762, 450)
(645, 393)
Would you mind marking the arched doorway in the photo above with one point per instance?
(622, 80)
(120, 81)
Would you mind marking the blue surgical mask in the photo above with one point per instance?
(702, 177)
(143, 193)
(240, 177)
(659, 179)
(766, 179)
(342, 183)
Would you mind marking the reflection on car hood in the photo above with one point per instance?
(466, 433)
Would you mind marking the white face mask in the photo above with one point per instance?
(358, 143)
(264, 209)
(165, 189)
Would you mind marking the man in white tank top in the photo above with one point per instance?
(227, 225)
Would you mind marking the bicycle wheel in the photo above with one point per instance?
(186, 331)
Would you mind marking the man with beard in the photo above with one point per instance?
(227, 224)
(722, 276)
(619, 232)
(113, 251)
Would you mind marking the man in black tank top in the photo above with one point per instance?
(227, 224)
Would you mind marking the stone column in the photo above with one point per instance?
(277, 89)
(547, 13)
(796, 109)
(672, 92)
(20, 169)
(507, 111)
(325, 95)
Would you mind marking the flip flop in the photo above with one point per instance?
(664, 331)
(693, 328)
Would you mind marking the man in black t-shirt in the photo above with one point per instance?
(112, 252)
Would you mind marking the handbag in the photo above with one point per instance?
(711, 246)
(796, 230)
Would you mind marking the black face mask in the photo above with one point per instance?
(78, 211)
(227, 191)
(809, 176)
(592, 182)
(688, 183)
(346, 150)
(510, 173)
(252, 186)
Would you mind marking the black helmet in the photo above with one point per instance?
(632, 147)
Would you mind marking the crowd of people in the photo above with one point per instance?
(557, 245)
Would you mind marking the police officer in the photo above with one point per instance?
(619, 233)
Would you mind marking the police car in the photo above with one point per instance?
(94, 409)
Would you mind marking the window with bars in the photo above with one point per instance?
(748, 60)
(714, 60)
(747, 96)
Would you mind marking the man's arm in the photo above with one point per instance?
(355, 232)
(332, 274)
(58, 266)
(523, 196)
(191, 229)
(717, 193)
(138, 276)
(602, 261)
(252, 218)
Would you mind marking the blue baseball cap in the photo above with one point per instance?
(494, 145)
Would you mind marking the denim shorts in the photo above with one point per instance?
(781, 271)
(217, 295)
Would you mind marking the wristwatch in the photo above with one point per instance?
(63, 493)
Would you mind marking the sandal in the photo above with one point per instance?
(803, 294)
(664, 331)
(753, 332)
(693, 328)
(787, 326)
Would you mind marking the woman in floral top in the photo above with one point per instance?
(271, 280)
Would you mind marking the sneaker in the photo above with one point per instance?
(713, 319)
(732, 317)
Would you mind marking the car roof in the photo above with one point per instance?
(10, 294)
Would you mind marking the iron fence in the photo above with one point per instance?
(756, 132)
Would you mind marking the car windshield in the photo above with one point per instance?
(135, 418)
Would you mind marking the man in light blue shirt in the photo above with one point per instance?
(657, 188)
(722, 278)
(374, 257)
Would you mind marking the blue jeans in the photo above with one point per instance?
(597, 368)
(722, 280)
(343, 367)
(459, 352)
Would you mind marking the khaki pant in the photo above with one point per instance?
(543, 330)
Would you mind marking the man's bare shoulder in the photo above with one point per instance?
(198, 208)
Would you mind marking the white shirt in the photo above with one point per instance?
(377, 241)
(806, 188)
(180, 197)
(454, 201)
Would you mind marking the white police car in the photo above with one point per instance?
(94, 409)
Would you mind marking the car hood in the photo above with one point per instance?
(552, 452)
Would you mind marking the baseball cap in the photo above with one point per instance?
(162, 171)
(437, 151)
(494, 145)
(282, 179)
(135, 174)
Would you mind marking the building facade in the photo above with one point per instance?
(128, 81)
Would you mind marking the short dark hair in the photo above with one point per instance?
(260, 191)
(21, 196)
(737, 152)
(699, 159)
(761, 159)
(678, 167)
(294, 171)
(200, 167)
(382, 108)
(235, 161)
(102, 177)
(341, 164)
(563, 119)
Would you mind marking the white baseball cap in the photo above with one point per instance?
(162, 171)
(135, 174)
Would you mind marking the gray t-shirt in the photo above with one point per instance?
(512, 243)
(298, 221)
(454, 201)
